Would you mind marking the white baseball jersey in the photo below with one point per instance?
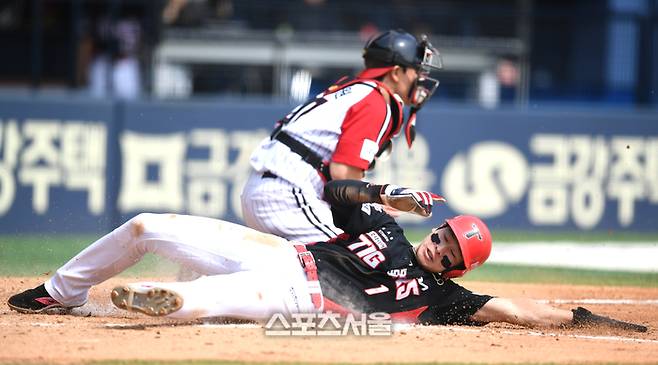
(346, 124)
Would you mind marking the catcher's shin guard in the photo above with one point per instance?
(152, 301)
(583, 318)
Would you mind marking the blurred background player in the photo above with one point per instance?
(337, 135)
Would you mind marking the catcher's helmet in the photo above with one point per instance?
(474, 240)
(397, 47)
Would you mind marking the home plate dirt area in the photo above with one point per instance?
(99, 331)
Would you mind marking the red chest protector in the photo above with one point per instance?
(393, 100)
(395, 103)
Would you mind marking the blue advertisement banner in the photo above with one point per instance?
(86, 166)
(57, 163)
(191, 157)
(565, 170)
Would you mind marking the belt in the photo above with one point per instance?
(311, 270)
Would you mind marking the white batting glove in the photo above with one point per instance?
(409, 200)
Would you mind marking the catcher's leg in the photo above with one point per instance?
(276, 206)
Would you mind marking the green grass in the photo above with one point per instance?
(29, 255)
(614, 236)
(33, 255)
(532, 274)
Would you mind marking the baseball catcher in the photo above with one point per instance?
(338, 134)
(371, 267)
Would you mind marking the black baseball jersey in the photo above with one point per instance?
(372, 267)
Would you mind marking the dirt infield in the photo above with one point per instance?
(98, 331)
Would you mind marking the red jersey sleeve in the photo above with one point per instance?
(363, 131)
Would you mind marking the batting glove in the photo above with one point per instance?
(409, 200)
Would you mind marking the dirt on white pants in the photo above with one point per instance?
(249, 274)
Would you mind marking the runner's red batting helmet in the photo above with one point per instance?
(474, 240)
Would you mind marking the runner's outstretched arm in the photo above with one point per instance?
(530, 313)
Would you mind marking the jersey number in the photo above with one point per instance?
(404, 288)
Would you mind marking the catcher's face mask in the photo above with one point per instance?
(429, 60)
(424, 85)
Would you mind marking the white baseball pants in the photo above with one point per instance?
(250, 274)
(276, 206)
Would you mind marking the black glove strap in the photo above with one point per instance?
(584, 318)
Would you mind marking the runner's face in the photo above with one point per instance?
(439, 251)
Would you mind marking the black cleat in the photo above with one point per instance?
(35, 300)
